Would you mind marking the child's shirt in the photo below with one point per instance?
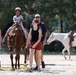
(18, 19)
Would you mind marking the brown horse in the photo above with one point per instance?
(16, 41)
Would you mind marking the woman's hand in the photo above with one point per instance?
(34, 46)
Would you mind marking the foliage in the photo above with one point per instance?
(48, 9)
(57, 14)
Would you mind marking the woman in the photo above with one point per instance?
(34, 37)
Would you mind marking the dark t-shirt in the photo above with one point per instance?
(44, 30)
(35, 35)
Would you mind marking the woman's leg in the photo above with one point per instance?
(38, 57)
(31, 56)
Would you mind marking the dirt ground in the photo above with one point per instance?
(55, 65)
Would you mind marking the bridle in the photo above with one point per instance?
(12, 43)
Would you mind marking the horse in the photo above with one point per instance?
(16, 41)
(64, 39)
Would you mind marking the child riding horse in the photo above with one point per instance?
(18, 20)
(15, 38)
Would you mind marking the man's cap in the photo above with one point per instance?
(37, 15)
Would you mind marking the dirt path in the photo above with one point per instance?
(55, 65)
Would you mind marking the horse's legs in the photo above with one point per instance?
(69, 54)
(25, 55)
(17, 59)
(11, 57)
(63, 52)
(15, 62)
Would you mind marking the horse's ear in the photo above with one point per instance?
(8, 35)
(13, 34)
(52, 34)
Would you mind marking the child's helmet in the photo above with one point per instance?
(17, 8)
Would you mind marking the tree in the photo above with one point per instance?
(48, 9)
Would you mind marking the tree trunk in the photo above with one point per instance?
(61, 24)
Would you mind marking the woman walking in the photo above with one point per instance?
(34, 37)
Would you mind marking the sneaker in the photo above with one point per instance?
(39, 70)
(35, 68)
(43, 64)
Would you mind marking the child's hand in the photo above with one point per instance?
(20, 20)
(16, 23)
(19, 23)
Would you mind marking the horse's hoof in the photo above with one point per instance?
(19, 68)
(69, 59)
(15, 67)
(65, 58)
(12, 69)
(25, 65)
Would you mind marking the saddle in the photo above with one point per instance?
(71, 37)
(22, 32)
(17, 26)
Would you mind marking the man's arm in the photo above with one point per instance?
(45, 37)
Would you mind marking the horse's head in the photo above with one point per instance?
(51, 38)
(11, 41)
